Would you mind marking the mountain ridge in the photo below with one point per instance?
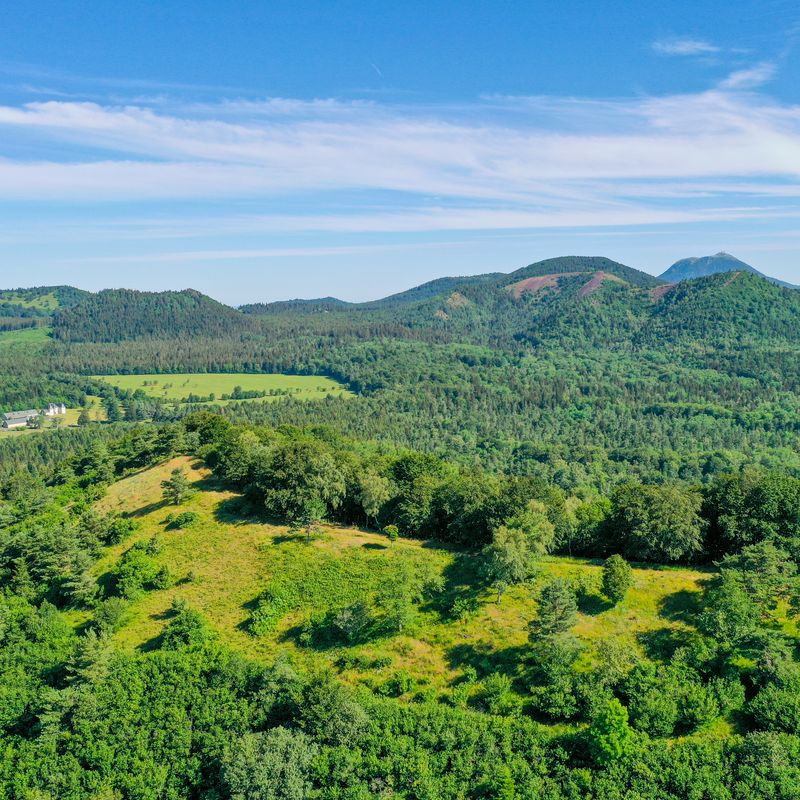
(704, 266)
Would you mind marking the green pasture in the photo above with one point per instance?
(176, 388)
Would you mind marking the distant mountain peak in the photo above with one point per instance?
(703, 266)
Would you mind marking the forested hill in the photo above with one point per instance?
(727, 309)
(116, 315)
(32, 308)
(688, 268)
(581, 265)
(562, 301)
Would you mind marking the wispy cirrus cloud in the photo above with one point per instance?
(498, 163)
(750, 78)
(685, 46)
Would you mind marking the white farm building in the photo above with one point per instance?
(21, 419)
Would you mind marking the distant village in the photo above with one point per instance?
(30, 418)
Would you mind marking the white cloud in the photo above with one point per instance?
(750, 78)
(684, 47)
(500, 163)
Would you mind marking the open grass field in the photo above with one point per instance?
(233, 555)
(24, 337)
(177, 388)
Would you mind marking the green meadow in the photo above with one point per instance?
(224, 562)
(177, 388)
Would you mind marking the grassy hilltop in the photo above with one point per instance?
(232, 555)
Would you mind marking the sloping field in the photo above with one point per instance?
(223, 563)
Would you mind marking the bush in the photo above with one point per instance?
(183, 520)
(111, 615)
(400, 683)
(187, 628)
(496, 695)
(119, 529)
(163, 579)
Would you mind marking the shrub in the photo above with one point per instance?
(187, 628)
(183, 520)
(609, 735)
(163, 579)
(111, 615)
(392, 532)
(496, 695)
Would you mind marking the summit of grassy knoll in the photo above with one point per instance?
(224, 562)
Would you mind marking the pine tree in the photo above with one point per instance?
(177, 487)
(558, 610)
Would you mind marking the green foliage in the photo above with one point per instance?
(657, 523)
(183, 520)
(187, 628)
(609, 735)
(392, 533)
(557, 610)
(177, 487)
(617, 578)
(275, 765)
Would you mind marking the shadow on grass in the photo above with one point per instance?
(374, 546)
(485, 660)
(593, 604)
(463, 585)
(148, 509)
(683, 606)
(299, 537)
(241, 511)
(107, 584)
(156, 641)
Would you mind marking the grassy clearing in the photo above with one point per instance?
(42, 302)
(235, 555)
(24, 337)
(176, 388)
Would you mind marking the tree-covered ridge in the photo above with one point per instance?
(115, 315)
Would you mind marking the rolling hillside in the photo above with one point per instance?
(115, 315)
(233, 555)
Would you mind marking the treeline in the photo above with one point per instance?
(305, 475)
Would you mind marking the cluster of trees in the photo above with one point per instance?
(305, 475)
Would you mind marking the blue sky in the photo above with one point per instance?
(267, 150)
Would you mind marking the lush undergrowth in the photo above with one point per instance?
(226, 561)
